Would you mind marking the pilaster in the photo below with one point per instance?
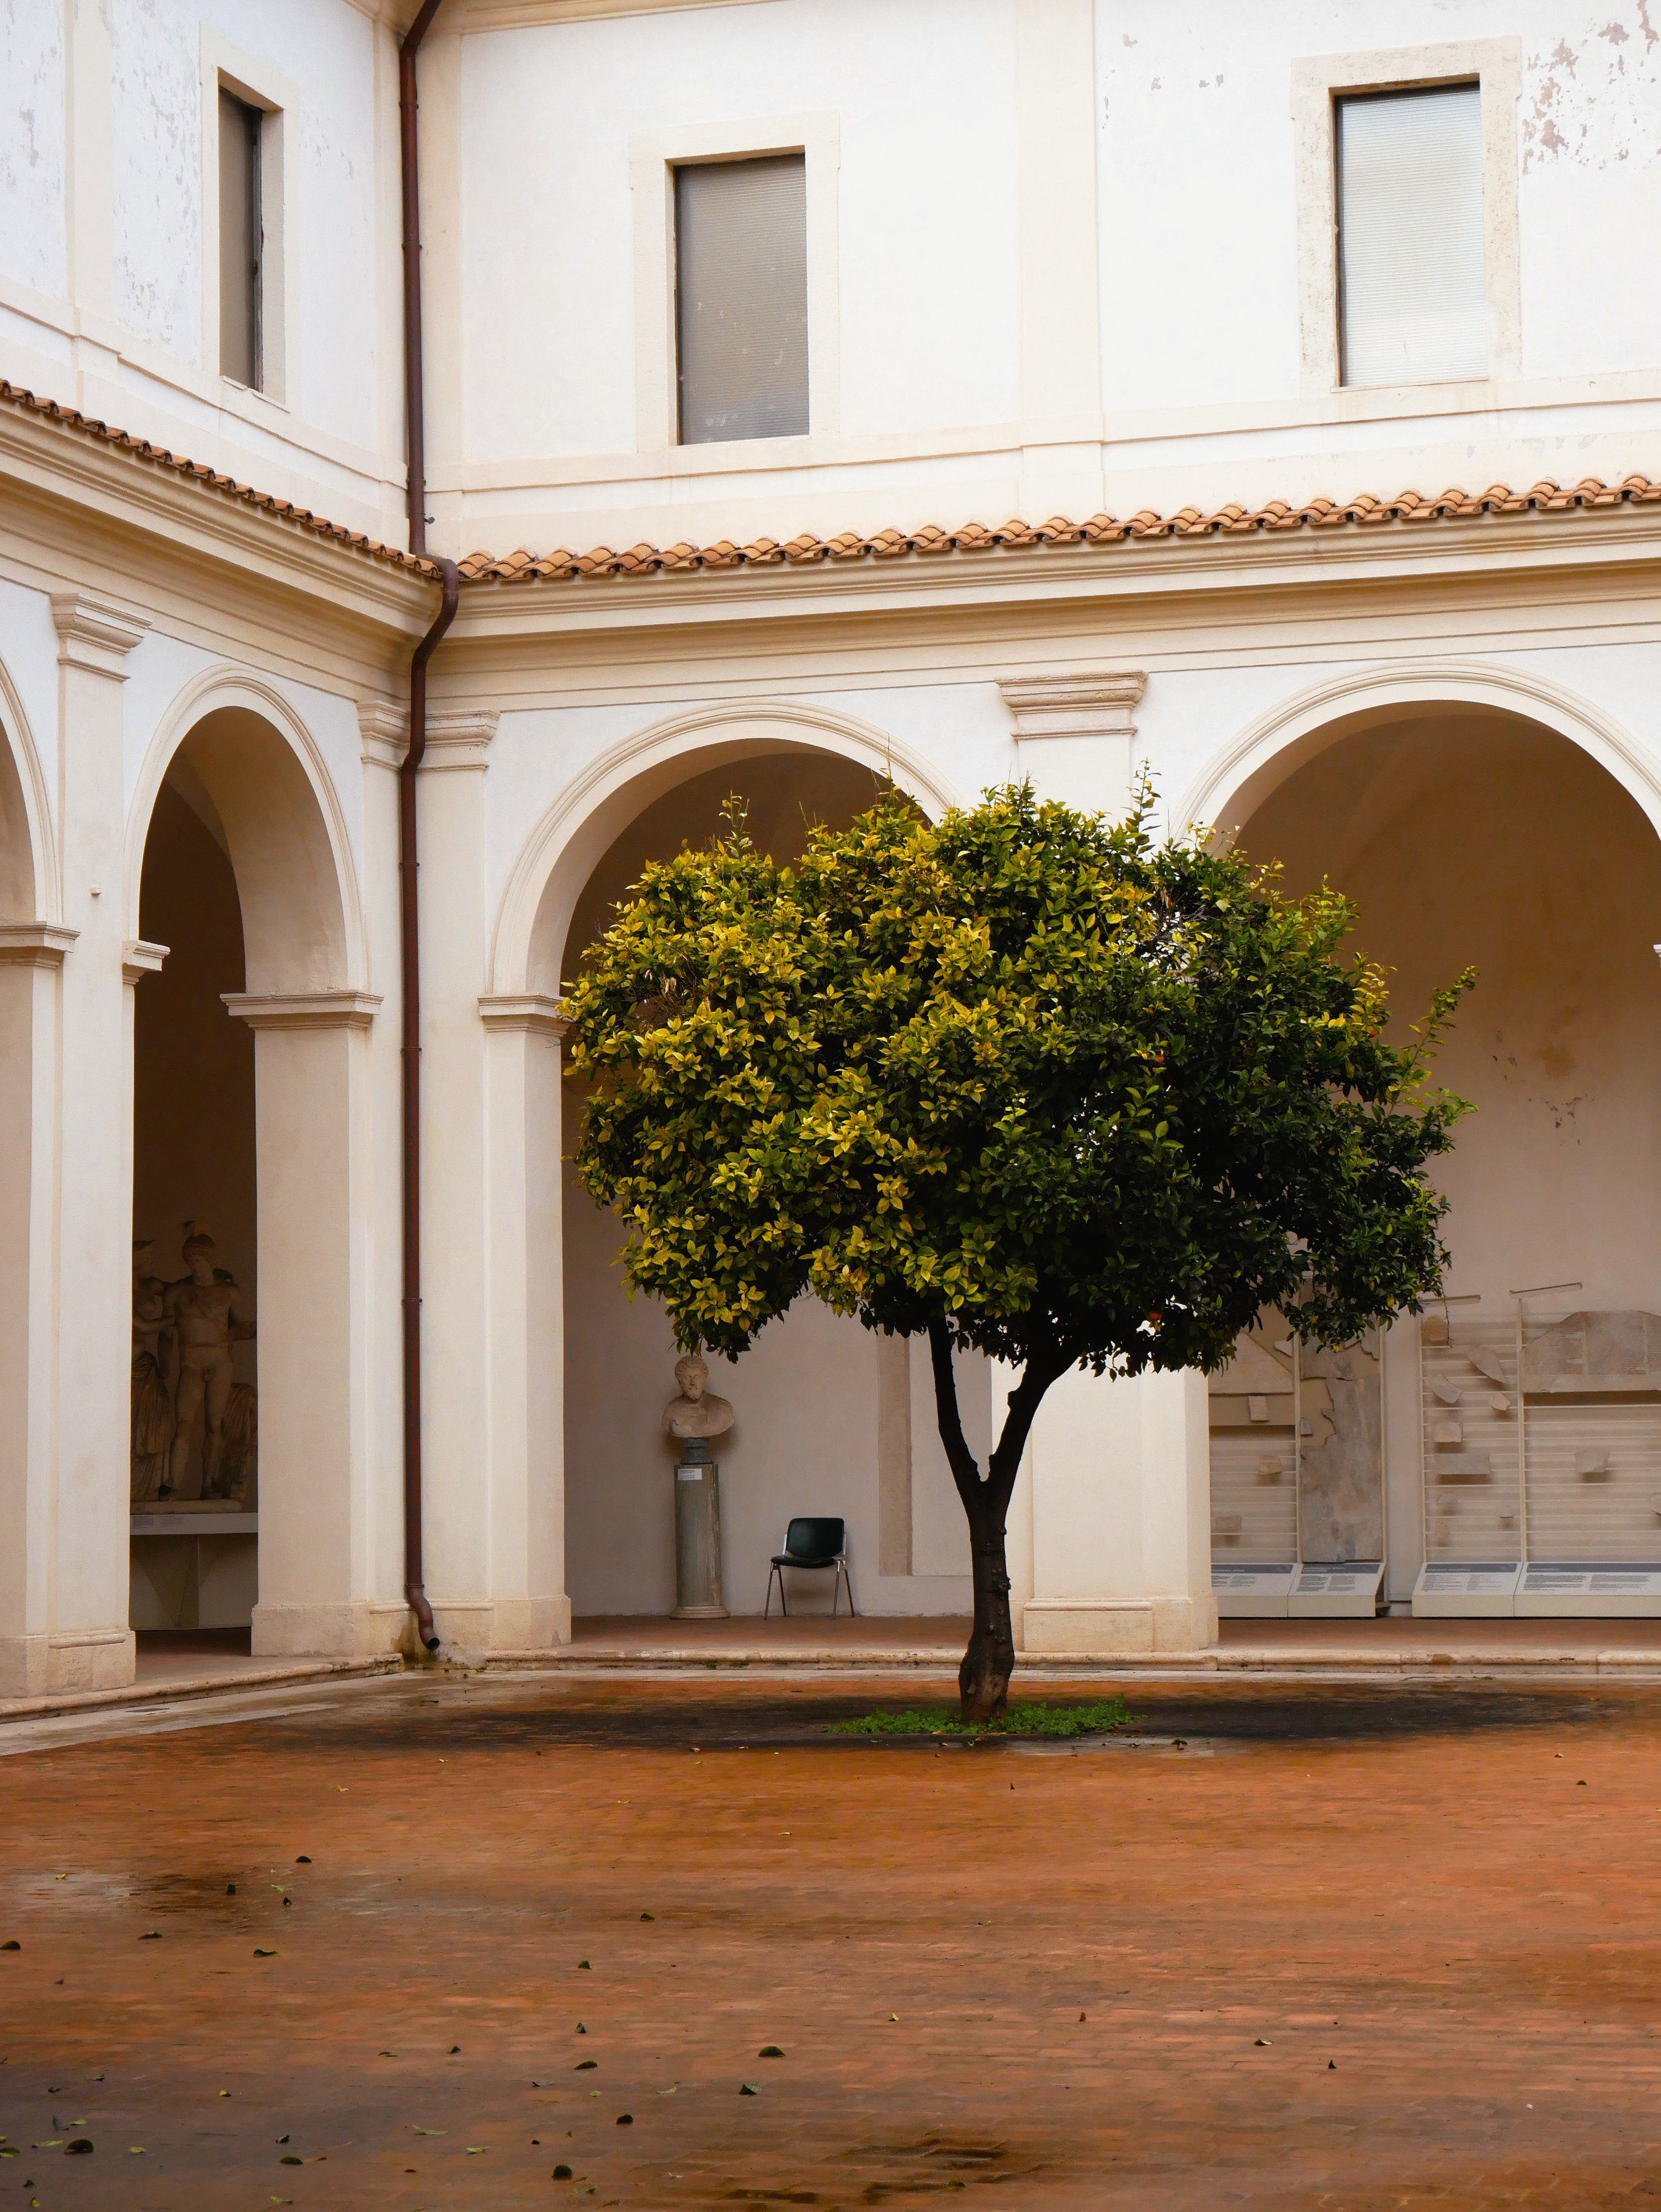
(523, 1036)
(88, 1642)
(1121, 1549)
(31, 955)
(459, 1457)
(1074, 735)
(319, 1588)
(384, 734)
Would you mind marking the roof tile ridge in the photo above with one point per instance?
(211, 478)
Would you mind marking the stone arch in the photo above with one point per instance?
(29, 886)
(559, 855)
(251, 1102)
(1485, 815)
(825, 1410)
(284, 826)
(1276, 744)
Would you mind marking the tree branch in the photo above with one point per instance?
(966, 1472)
(1044, 1366)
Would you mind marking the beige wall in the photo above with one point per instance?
(1472, 837)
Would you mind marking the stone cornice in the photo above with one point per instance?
(534, 1012)
(382, 733)
(93, 635)
(303, 1010)
(458, 737)
(35, 944)
(139, 959)
(130, 504)
(520, 14)
(1074, 706)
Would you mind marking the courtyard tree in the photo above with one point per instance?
(1025, 1081)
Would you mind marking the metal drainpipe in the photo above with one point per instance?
(409, 863)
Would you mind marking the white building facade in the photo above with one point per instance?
(1314, 350)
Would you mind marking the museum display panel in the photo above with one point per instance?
(1542, 1463)
(1528, 1415)
(1297, 1476)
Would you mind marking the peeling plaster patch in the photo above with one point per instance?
(156, 149)
(1591, 108)
(32, 154)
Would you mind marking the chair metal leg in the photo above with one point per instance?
(842, 1566)
(766, 1610)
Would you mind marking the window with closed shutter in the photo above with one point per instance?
(741, 299)
(1412, 307)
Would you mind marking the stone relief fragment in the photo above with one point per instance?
(1341, 1501)
(1588, 1354)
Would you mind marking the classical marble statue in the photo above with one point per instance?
(696, 1416)
(152, 1399)
(202, 1309)
(239, 1471)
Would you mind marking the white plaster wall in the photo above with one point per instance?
(155, 153)
(326, 47)
(1199, 229)
(927, 213)
(32, 234)
(532, 275)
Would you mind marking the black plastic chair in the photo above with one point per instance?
(814, 1544)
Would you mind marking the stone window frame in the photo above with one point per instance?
(653, 158)
(226, 68)
(1318, 83)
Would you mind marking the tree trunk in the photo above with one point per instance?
(983, 1679)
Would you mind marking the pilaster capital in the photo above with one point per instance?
(533, 1012)
(93, 635)
(384, 732)
(139, 959)
(458, 737)
(35, 944)
(1081, 706)
(302, 1009)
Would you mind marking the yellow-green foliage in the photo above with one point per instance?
(1073, 1093)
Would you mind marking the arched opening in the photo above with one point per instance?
(237, 1126)
(1509, 1451)
(28, 988)
(830, 1420)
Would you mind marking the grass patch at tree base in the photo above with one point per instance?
(1101, 1718)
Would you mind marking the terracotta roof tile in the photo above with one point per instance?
(929, 541)
(1277, 516)
(141, 449)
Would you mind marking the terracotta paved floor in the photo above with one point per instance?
(1447, 1945)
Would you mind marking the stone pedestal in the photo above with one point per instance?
(698, 1537)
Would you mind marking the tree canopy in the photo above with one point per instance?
(1025, 1080)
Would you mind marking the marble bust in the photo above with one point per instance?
(696, 1416)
